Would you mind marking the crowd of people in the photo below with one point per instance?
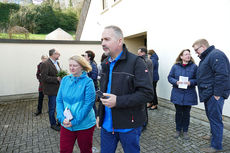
(128, 85)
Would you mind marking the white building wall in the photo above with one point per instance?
(170, 25)
(18, 63)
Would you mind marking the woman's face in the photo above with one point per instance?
(186, 56)
(75, 68)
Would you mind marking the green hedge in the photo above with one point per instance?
(38, 18)
(5, 10)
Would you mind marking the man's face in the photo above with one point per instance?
(139, 53)
(199, 49)
(56, 55)
(44, 59)
(110, 43)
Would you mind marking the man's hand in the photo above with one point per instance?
(97, 122)
(217, 97)
(110, 101)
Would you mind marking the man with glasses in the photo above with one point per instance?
(50, 81)
(213, 80)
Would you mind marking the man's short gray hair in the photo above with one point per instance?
(118, 32)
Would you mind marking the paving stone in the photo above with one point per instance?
(22, 132)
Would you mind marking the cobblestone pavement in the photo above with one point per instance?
(22, 132)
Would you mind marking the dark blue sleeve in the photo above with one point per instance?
(171, 76)
(219, 63)
(193, 81)
(94, 73)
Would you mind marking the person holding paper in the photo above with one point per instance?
(75, 112)
(183, 78)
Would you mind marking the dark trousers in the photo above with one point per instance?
(129, 141)
(155, 100)
(52, 107)
(214, 110)
(84, 140)
(40, 101)
(182, 117)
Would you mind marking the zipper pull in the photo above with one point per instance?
(132, 119)
(113, 131)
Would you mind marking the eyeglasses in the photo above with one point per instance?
(197, 49)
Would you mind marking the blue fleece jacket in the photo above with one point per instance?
(78, 94)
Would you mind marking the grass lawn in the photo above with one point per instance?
(31, 36)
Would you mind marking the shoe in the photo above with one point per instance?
(37, 113)
(149, 105)
(153, 107)
(186, 136)
(207, 137)
(143, 128)
(208, 150)
(56, 127)
(177, 134)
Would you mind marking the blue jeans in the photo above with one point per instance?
(214, 110)
(129, 141)
(182, 117)
(52, 107)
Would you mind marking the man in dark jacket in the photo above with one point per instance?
(50, 82)
(213, 80)
(41, 95)
(143, 52)
(125, 84)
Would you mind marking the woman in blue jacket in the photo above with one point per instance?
(183, 98)
(77, 93)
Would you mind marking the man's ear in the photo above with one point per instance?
(120, 42)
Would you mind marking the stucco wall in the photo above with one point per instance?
(170, 26)
(18, 62)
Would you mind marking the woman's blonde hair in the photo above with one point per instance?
(83, 62)
(179, 60)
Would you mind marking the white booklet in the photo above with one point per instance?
(184, 80)
(68, 114)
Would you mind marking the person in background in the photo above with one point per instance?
(154, 58)
(183, 98)
(50, 82)
(125, 85)
(76, 93)
(213, 81)
(143, 53)
(41, 95)
(89, 56)
(103, 57)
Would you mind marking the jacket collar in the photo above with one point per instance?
(206, 52)
(123, 55)
(180, 63)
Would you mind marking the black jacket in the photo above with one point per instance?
(131, 84)
(213, 74)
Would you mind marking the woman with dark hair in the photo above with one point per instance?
(186, 96)
(154, 58)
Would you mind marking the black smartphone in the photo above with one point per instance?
(100, 95)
